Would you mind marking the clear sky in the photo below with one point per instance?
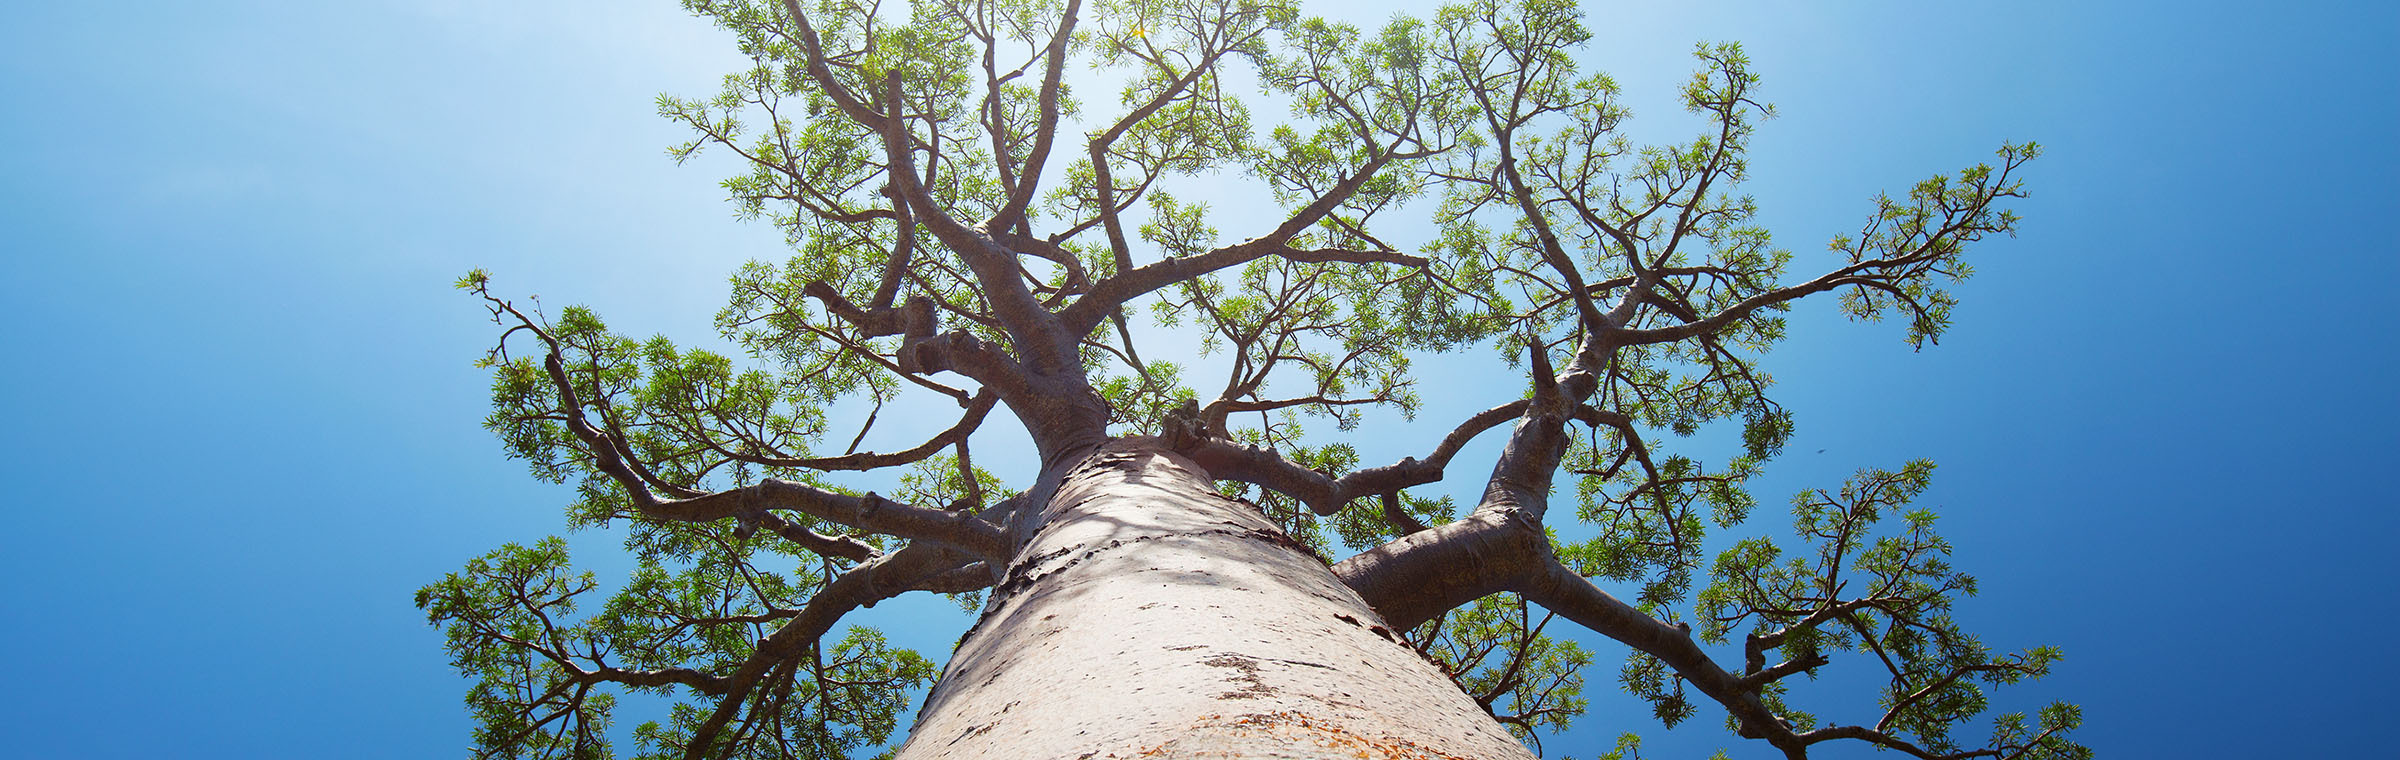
(242, 426)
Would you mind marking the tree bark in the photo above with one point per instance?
(1146, 615)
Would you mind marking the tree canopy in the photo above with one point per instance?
(981, 198)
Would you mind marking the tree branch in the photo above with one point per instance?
(1325, 494)
(871, 513)
(862, 586)
(1034, 329)
(1916, 252)
(1561, 590)
(1416, 577)
(1012, 214)
(977, 408)
(1080, 317)
(698, 681)
(914, 320)
(750, 503)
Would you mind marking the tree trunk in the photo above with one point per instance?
(1150, 616)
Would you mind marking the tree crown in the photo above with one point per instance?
(981, 198)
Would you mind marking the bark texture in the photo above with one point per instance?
(1147, 615)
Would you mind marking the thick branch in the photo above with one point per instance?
(914, 319)
(961, 352)
(1521, 479)
(1420, 575)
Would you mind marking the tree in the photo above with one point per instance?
(968, 237)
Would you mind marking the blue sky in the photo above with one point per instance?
(243, 424)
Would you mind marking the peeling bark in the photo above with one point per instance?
(1147, 615)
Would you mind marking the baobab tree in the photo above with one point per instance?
(1187, 572)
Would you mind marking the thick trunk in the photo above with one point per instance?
(1148, 616)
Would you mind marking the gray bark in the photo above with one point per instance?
(1146, 615)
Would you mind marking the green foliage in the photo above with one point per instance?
(1885, 592)
(1497, 652)
(1137, 402)
(695, 608)
(1653, 531)
(500, 632)
(829, 707)
(943, 480)
(1931, 229)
